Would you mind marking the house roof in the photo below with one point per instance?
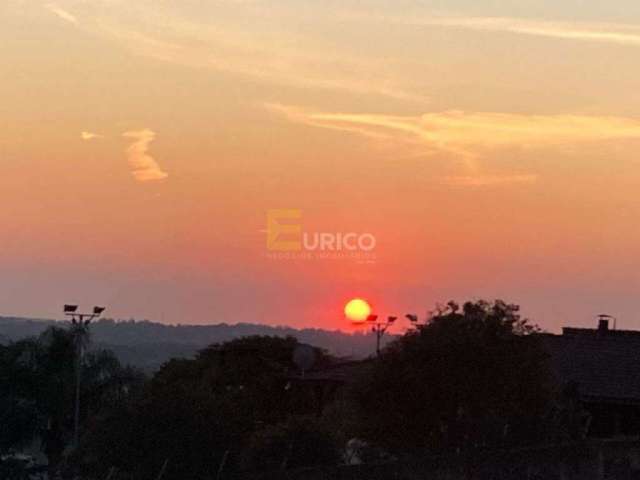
(604, 365)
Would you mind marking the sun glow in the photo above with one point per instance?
(357, 310)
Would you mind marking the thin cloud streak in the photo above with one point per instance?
(279, 66)
(144, 166)
(61, 13)
(464, 132)
(621, 34)
(272, 57)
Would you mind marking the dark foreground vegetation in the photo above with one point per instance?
(473, 379)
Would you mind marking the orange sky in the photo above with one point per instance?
(489, 149)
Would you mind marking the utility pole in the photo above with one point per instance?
(80, 328)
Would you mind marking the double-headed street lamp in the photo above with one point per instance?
(380, 327)
(77, 317)
(80, 327)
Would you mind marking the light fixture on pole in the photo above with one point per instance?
(380, 328)
(80, 327)
(412, 318)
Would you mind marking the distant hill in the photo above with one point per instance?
(148, 344)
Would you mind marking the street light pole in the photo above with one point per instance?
(380, 328)
(80, 326)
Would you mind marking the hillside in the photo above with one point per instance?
(148, 344)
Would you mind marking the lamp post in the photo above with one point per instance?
(380, 328)
(80, 327)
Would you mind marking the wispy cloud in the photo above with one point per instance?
(90, 135)
(622, 34)
(61, 13)
(144, 167)
(281, 56)
(471, 136)
(464, 132)
(274, 63)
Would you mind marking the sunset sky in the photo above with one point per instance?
(490, 147)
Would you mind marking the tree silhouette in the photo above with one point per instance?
(197, 413)
(471, 377)
(37, 384)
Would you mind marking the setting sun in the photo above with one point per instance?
(357, 310)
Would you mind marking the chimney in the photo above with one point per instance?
(603, 324)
